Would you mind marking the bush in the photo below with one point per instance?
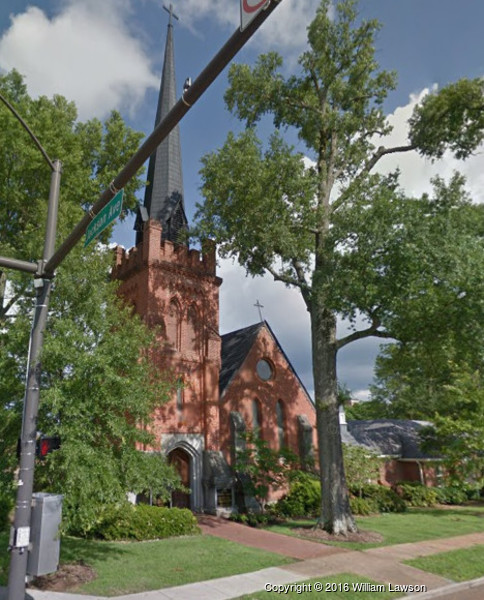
(6, 505)
(386, 499)
(451, 495)
(363, 506)
(303, 499)
(143, 522)
(415, 494)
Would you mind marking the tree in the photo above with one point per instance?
(263, 468)
(91, 153)
(362, 466)
(446, 332)
(457, 432)
(99, 385)
(347, 237)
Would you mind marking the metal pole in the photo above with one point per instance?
(188, 99)
(20, 532)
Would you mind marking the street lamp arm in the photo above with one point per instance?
(29, 131)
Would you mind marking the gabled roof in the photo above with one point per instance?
(236, 345)
(164, 193)
(390, 437)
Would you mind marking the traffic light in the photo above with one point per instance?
(46, 444)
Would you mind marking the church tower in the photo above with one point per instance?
(176, 289)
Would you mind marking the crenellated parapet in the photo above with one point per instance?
(154, 250)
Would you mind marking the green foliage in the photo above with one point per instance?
(451, 495)
(457, 432)
(363, 506)
(143, 522)
(416, 494)
(304, 497)
(451, 119)
(367, 410)
(6, 505)
(257, 519)
(263, 468)
(385, 499)
(91, 154)
(362, 466)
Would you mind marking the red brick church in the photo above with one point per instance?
(225, 383)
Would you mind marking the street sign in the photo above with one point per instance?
(249, 9)
(107, 215)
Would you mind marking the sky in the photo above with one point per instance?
(108, 55)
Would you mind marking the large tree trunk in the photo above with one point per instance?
(336, 517)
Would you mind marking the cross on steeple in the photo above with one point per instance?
(258, 305)
(172, 14)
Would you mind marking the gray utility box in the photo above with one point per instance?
(44, 534)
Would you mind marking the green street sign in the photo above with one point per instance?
(107, 215)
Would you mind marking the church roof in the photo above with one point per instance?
(164, 192)
(390, 437)
(236, 346)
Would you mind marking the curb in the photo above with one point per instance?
(448, 589)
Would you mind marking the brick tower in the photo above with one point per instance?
(176, 288)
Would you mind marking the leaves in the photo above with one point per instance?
(452, 119)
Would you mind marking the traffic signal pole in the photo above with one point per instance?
(43, 273)
(20, 532)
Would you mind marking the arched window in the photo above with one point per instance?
(173, 324)
(193, 329)
(281, 434)
(256, 417)
(179, 396)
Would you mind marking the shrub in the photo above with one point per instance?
(385, 498)
(303, 499)
(363, 506)
(451, 495)
(416, 494)
(6, 505)
(143, 522)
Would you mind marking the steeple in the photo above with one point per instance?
(164, 193)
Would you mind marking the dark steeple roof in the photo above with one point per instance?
(164, 192)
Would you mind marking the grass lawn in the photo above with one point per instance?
(458, 565)
(125, 568)
(342, 587)
(415, 525)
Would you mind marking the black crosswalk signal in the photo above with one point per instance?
(46, 444)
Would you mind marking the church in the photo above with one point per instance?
(224, 384)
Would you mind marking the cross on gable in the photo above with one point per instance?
(171, 13)
(258, 305)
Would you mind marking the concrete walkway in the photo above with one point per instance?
(383, 565)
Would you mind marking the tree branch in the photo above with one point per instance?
(371, 331)
(382, 152)
(285, 279)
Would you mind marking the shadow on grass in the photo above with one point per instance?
(89, 551)
(73, 550)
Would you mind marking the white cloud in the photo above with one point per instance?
(85, 53)
(417, 172)
(284, 30)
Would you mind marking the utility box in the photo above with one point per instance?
(44, 534)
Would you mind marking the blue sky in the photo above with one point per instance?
(108, 54)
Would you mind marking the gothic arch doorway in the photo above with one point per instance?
(180, 459)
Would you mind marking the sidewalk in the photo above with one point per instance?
(380, 564)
